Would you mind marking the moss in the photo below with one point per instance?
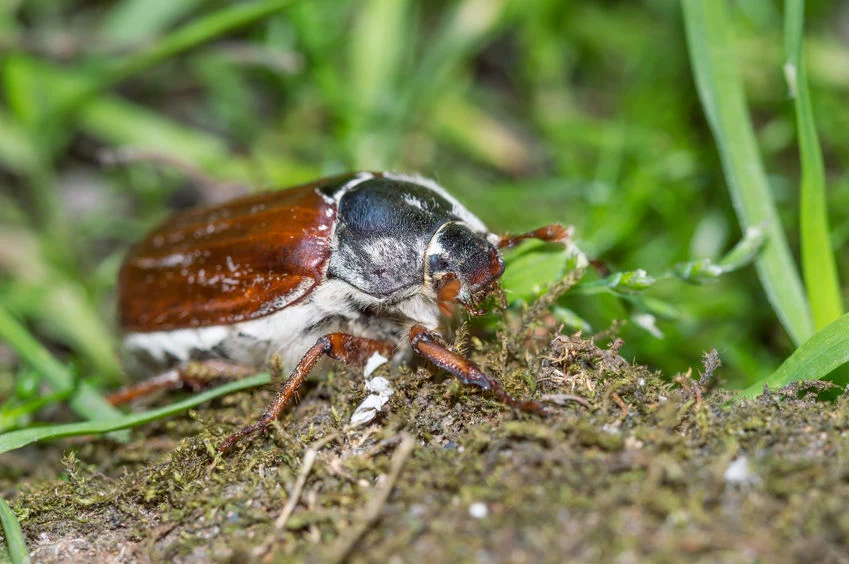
(638, 471)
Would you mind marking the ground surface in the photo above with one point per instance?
(647, 468)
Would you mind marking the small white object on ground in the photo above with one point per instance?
(381, 392)
(478, 510)
(373, 362)
(739, 472)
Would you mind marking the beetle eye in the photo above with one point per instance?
(438, 264)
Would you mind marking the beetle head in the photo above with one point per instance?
(461, 266)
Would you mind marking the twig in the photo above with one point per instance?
(371, 513)
(621, 403)
(295, 495)
(562, 399)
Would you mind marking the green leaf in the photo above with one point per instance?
(648, 323)
(818, 261)
(705, 271)
(45, 288)
(571, 319)
(658, 308)
(745, 251)
(119, 122)
(10, 417)
(826, 351)
(534, 266)
(17, 439)
(14, 536)
(125, 124)
(720, 88)
(627, 282)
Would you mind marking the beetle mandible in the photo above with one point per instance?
(345, 267)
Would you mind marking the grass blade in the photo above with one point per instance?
(116, 121)
(14, 536)
(17, 439)
(376, 60)
(17, 153)
(9, 416)
(86, 402)
(474, 131)
(187, 37)
(826, 351)
(818, 262)
(705, 271)
(132, 21)
(720, 89)
(461, 33)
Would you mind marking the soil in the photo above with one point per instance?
(628, 465)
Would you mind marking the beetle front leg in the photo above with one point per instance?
(554, 233)
(339, 346)
(432, 346)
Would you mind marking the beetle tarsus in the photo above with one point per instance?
(431, 346)
(231, 441)
(348, 349)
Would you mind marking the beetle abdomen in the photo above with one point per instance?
(289, 332)
(228, 263)
(249, 343)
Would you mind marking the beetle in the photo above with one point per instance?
(346, 267)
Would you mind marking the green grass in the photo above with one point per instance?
(197, 32)
(85, 400)
(819, 266)
(720, 87)
(818, 357)
(15, 542)
(17, 439)
(721, 92)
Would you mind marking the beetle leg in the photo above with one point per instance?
(553, 233)
(339, 346)
(194, 375)
(432, 346)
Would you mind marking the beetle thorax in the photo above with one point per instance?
(387, 227)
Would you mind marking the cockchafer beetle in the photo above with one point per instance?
(346, 267)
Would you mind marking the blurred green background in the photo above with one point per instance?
(530, 111)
